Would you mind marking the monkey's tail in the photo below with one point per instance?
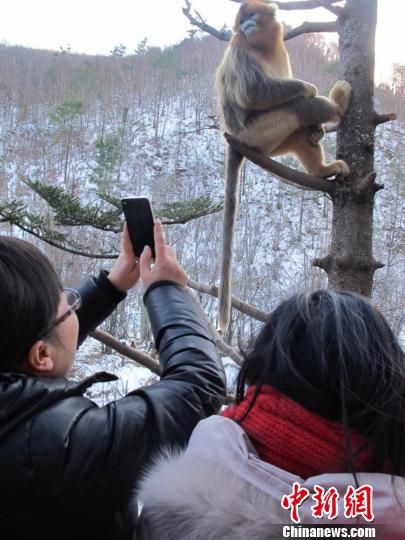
(340, 95)
(231, 203)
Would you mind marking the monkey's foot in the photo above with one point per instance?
(316, 134)
(311, 89)
(336, 168)
(340, 94)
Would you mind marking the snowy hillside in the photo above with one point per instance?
(144, 124)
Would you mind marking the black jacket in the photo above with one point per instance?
(68, 468)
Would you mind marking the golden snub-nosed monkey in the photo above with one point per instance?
(263, 106)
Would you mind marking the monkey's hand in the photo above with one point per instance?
(316, 134)
(268, 93)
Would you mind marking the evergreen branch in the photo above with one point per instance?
(110, 199)
(184, 211)
(12, 211)
(15, 212)
(69, 211)
(62, 247)
(178, 212)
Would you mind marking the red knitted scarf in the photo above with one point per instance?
(289, 436)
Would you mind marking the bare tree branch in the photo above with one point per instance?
(219, 342)
(309, 4)
(310, 27)
(378, 119)
(146, 360)
(223, 35)
(238, 304)
(377, 187)
(363, 185)
(305, 5)
(305, 28)
(224, 347)
(131, 353)
(347, 261)
(382, 118)
(336, 10)
(324, 263)
(360, 264)
(378, 264)
(286, 174)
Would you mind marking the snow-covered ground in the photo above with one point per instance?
(91, 359)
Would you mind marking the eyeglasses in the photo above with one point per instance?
(74, 301)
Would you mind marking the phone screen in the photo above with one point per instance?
(139, 217)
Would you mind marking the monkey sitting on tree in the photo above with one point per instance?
(264, 107)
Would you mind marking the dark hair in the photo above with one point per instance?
(29, 299)
(336, 355)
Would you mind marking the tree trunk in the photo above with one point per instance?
(350, 264)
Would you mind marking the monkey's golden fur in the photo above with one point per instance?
(264, 107)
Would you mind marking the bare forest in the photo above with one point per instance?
(144, 123)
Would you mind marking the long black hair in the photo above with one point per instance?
(29, 297)
(335, 354)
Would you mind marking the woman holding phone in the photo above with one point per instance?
(68, 468)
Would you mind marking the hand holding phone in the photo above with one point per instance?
(140, 221)
(125, 272)
(165, 267)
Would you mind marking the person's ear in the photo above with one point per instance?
(39, 359)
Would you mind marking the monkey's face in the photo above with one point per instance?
(256, 22)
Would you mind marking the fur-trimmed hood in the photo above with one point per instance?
(218, 488)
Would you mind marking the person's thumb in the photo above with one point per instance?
(145, 261)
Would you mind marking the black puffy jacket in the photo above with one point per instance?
(68, 468)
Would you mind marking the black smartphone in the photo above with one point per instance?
(139, 217)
